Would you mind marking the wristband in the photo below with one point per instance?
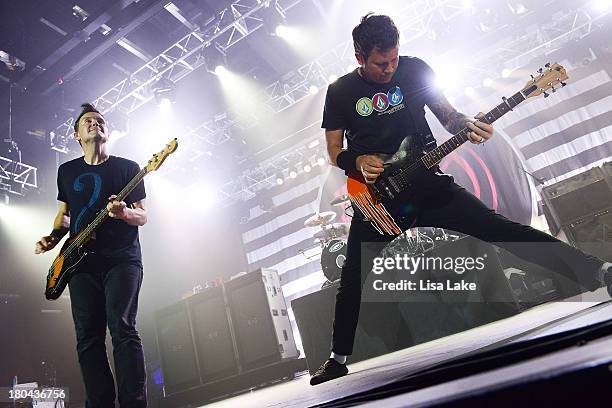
(347, 160)
(56, 233)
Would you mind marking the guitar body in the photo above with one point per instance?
(382, 201)
(63, 267)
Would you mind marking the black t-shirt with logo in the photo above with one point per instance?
(377, 117)
(86, 189)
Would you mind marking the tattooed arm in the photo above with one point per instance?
(454, 121)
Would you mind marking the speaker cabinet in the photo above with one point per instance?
(260, 320)
(176, 348)
(212, 335)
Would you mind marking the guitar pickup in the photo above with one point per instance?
(394, 184)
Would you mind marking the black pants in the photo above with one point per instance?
(107, 294)
(442, 203)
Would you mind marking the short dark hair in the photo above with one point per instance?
(375, 31)
(86, 108)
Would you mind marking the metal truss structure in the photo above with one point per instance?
(538, 40)
(14, 173)
(230, 25)
(241, 18)
(265, 174)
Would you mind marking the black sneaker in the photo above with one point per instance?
(328, 371)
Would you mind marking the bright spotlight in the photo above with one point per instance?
(506, 72)
(165, 104)
(320, 161)
(601, 5)
(313, 89)
(220, 70)
(293, 174)
(282, 31)
(307, 168)
(279, 181)
(488, 82)
(469, 91)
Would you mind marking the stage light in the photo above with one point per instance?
(307, 168)
(313, 89)
(488, 82)
(164, 93)
(214, 55)
(469, 91)
(165, 104)
(293, 174)
(601, 5)
(282, 31)
(220, 70)
(279, 181)
(506, 72)
(320, 161)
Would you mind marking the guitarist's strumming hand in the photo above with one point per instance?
(46, 243)
(371, 166)
(480, 131)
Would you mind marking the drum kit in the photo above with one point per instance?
(332, 239)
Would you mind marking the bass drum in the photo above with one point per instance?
(332, 258)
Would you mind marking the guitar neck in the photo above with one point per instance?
(432, 158)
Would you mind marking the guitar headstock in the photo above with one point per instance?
(545, 80)
(158, 158)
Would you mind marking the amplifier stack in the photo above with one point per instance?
(224, 331)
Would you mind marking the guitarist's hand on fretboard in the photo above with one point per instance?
(371, 166)
(481, 131)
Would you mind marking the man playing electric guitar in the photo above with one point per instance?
(376, 107)
(105, 289)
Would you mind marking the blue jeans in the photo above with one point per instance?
(107, 294)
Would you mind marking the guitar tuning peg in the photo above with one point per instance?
(546, 94)
(540, 70)
(553, 89)
(563, 84)
(547, 65)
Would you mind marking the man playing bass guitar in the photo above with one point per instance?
(377, 107)
(105, 289)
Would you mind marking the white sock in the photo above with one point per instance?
(338, 357)
(601, 272)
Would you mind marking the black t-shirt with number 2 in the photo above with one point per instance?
(86, 189)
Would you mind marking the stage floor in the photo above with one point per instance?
(366, 375)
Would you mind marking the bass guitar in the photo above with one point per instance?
(378, 201)
(74, 251)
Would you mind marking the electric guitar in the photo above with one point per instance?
(74, 250)
(379, 201)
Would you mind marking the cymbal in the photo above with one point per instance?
(323, 218)
(339, 200)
